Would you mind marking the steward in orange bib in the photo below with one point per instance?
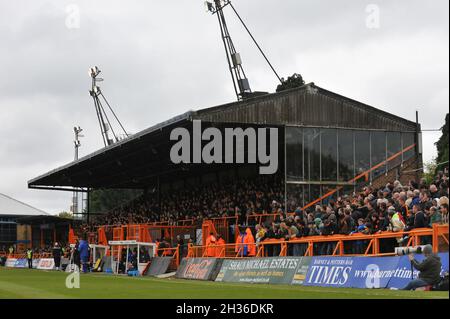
(220, 249)
(210, 245)
(249, 240)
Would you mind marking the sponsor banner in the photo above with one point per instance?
(403, 276)
(36, 263)
(363, 272)
(351, 272)
(199, 268)
(372, 272)
(21, 263)
(273, 270)
(329, 272)
(302, 270)
(46, 264)
(158, 266)
(10, 262)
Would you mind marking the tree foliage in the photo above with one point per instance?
(103, 200)
(294, 81)
(65, 215)
(442, 146)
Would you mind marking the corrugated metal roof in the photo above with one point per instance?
(11, 206)
(309, 105)
(132, 162)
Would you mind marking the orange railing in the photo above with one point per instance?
(371, 244)
(222, 226)
(216, 251)
(219, 225)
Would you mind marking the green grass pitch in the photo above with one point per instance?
(24, 283)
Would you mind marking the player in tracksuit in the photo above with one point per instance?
(84, 254)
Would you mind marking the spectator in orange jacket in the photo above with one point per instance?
(220, 250)
(210, 245)
(250, 243)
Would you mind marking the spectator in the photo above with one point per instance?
(444, 212)
(434, 216)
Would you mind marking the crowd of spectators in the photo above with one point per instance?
(394, 208)
(243, 197)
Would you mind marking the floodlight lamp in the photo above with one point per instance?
(209, 6)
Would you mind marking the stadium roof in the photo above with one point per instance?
(13, 207)
(47, 219)
(140, 160)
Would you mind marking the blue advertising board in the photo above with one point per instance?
(364, 272)
(329, 272)
(372, 272)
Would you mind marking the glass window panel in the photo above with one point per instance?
(314, 194)
(362, 151)
(347, 191)
(333, 197)
(378, 153)
(311, 193)
(295, 197)
(329, 154)
(294, 154)
(312, 154)
(394, 146)
(346, 156)
(408, 140)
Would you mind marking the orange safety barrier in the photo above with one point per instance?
(118, 234)
(132, 232)
(207, 228)
(222, 225)
(440, 236)
(144, 234)
(373, 242)
(372, 249)
(102, 239)
(222, 251)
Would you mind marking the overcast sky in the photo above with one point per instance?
(161, 58)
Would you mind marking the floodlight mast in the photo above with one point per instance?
(108, 134)
(77, 143)
(240, 81)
